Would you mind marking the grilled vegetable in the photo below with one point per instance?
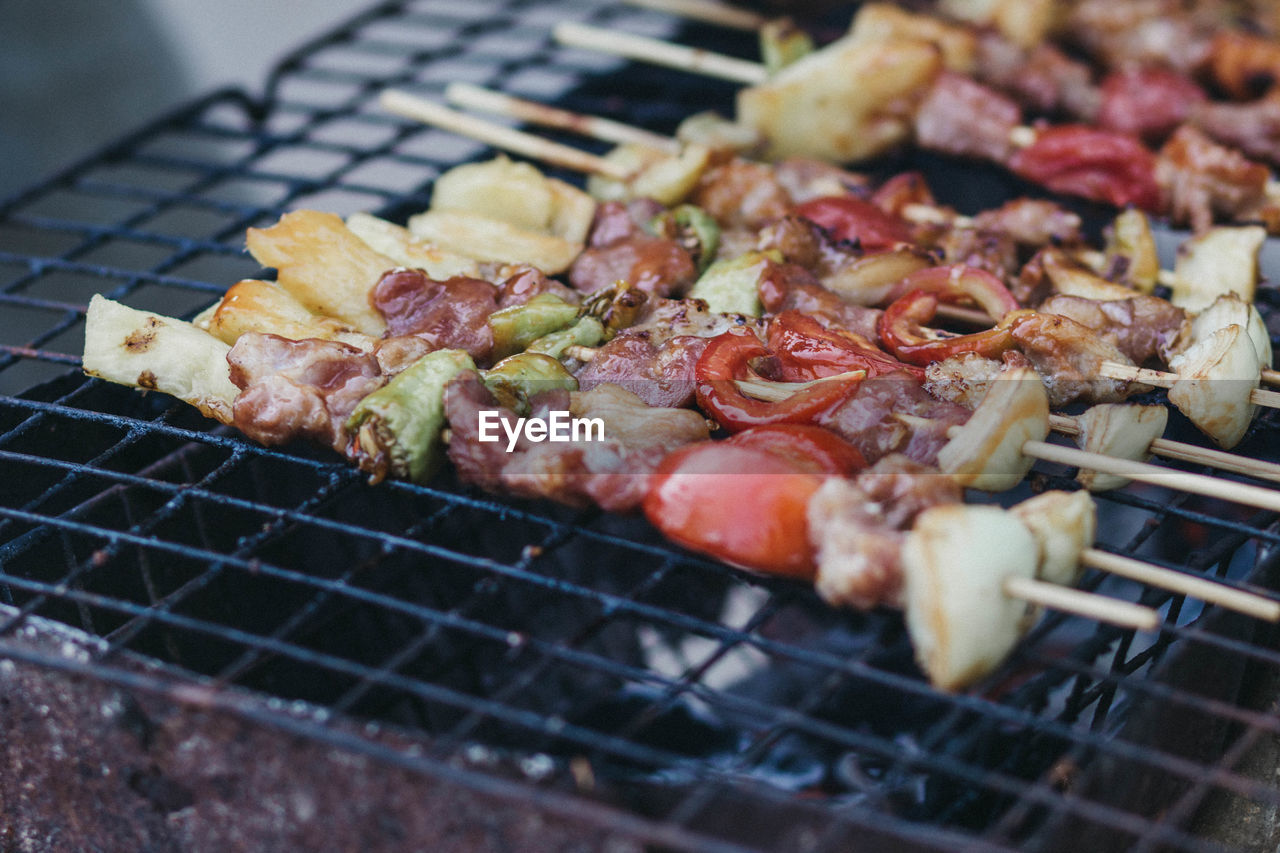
(399, 244)
(1130, 242)
(587, 332)
(732, 286)
(1063, 525)
(517, 194)
(807, 350)
(518, 378)
(1222, 260)
(986, 453)
(264, 306)
(849, 101)
(1230, 309)
(654, 174)
(158, 353)
(886, 22)
(324, 266)
(1120, 431)
(693, 229)
(855, 221)
(1216, 377)
(396, 429)
(486, 239)
(782, 43)
(877, 277)
(1093, 164)
(1071, 279)
(956, 561)
(745, 500)
(727, 358)
(516, 327)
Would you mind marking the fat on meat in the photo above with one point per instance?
(298, 389)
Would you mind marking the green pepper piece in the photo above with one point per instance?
(587, 332)
(517, 378)
(693, 228)
(516, 327)
(782, 43)
(616, 307)
(732, 286)
(396, 429)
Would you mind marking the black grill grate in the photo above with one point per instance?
(689, 705)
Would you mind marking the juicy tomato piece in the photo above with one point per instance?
(1148, 103)
(959, 282)
(742, 505)
(852, 219)
(727, 358)
(811, 448)
(807, 350)
(1094, 164)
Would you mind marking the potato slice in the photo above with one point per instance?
(1215, 379)
(158, 353)
(955, 563)
(485, 239)
(324, 265)
(518, 194)
(264, 306)
(654, 174)
(399, 244)
(877, 22)
(1122, 431)
(1221, 260)
(986, 453)
(849, 101)
(1063, 525)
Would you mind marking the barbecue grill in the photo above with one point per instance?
(228, 645)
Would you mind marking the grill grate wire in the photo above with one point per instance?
(543, 635)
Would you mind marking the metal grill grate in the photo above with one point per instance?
(628, 683)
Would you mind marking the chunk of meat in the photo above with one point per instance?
(451, 314)
(521, 282)
(1069, 359)
(612, 472)
(962, 117)
(621, 250)
(1146, 32)
(1032, 222)
(802, 179)
(856, 527)
(1253, 127)
(1149, 103)
(743, 194)
(1140, 327)
(1200, 179)
(962, 379)
(1043, 79)
(892, 413)
(990, 251)
(298, 389)
(660, 374)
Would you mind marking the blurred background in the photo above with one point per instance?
(75, 74)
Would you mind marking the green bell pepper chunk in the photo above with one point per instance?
(516, 379)
(693, 228)
(732, 286)
(396, 429)
(516, 327)
(587, 332)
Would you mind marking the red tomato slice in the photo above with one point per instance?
(848, 218)
(742, 505)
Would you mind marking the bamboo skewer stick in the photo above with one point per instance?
(658, 52)
(516, 141)
(498, 103)
(1090, 605)
(1163, 379)
(1204, 589)
(1184, 452)
(1144, 472)
(708, 12)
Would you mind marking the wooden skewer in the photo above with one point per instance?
(1163, 379)
(1213, 592)
(708, 12)
(487, 100)
(1144, 472)
(516, 141)
(1189, 453)
(1090, 605)
(659, 52)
